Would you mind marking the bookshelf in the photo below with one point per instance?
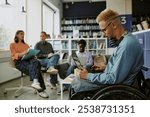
(69, 45)
(87, 27)
(140, 22)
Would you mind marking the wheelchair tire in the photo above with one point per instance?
(119, 92)
(85, 95)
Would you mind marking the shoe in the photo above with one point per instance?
(43, 94)
(36, 86)
(53, 86)
(52, 70)
(64, 89)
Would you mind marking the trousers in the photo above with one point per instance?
(48, 62)
(80, 85)
(32, 68)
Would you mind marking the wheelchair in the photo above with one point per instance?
(115, 92)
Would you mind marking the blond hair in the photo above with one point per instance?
(100, 61)
(107, 15)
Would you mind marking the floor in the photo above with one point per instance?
(29, 93)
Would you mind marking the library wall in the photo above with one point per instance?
(79, 19)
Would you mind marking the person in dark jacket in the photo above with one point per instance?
(47, 58)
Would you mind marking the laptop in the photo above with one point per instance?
(77, 61)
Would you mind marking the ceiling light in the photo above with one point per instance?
(23, 9)
(6, 4)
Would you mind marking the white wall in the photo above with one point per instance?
(57, 6)
(121, 6)
(34, 21)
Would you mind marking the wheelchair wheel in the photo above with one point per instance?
(85, 95)
(119, 92)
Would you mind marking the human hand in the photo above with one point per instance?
(23, 53)
(98, 68)
(50, 54)
(83, 74)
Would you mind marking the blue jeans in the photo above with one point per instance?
(49, 63)
(84, 85)
(32, 68)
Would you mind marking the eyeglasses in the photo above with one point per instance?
(110, 20)
(104, 30)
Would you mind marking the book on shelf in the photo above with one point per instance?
(102, 46)
(31, 53)
(145, 24)
(139, 27)
(75, 33)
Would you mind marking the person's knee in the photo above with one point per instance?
(36, 63)
(76, 85)
(57, 56)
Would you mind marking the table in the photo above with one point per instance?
(67, 80)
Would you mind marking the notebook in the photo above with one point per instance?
(31, 53)
(77, 61)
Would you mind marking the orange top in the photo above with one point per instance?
(16, 48)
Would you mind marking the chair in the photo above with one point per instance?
(19, 89)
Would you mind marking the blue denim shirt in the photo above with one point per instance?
(123, 64)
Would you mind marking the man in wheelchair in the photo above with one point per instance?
(122, 67)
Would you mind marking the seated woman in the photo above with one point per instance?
(31, 66)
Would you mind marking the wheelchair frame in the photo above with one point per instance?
(115, 91)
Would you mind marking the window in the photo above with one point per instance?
(11, 20)
(48, 19)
